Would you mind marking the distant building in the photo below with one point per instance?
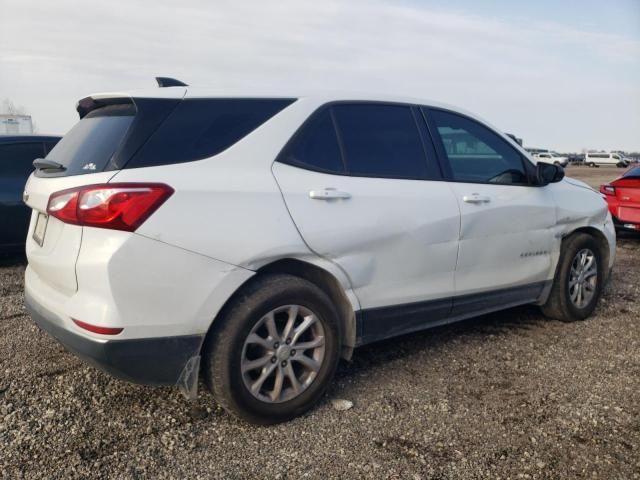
(15, 124)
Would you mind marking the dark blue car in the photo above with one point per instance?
(16, 156)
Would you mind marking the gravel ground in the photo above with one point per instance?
(509, 395)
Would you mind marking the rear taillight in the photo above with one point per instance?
(117, 206)
(608, 189)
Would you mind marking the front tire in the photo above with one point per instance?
(577, 285)
(273, 352)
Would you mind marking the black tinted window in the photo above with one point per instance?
(315, 145)
(16, 159)
(475, 153)
(199, 129)
(380, 140)
(89, 145)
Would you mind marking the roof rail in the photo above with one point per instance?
(169, 82)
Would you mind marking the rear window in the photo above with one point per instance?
(90, 144)
(633, 173)
(202, 128)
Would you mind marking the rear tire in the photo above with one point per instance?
(256, 337)
(577, 285)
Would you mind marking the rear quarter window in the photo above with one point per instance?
(202, 128)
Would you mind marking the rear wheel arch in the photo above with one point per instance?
(327, 282)
(320, 277)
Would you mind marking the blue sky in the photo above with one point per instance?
(563, 75)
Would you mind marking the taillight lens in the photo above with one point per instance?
(608, 189)
(116, 206)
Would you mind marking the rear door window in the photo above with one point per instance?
(381, 140)
(16, 159)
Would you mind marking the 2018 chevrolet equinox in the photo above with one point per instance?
(269, 235)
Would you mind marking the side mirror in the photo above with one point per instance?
(547, 173)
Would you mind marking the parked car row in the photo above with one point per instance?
(591, 159)
(265, 236)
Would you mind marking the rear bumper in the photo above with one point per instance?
(157, 361)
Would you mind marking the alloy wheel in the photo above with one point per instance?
(283, 353)
(583, 278)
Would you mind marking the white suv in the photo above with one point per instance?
(603, 158)
(270, 235)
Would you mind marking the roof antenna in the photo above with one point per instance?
(169, 82)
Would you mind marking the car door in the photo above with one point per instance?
(363, 186)
(507, 222)
(15, 167)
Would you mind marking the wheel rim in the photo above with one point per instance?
(583, 278)
(283, 353)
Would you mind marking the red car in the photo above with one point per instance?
(623, 197)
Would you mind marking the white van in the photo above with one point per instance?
(604, 158)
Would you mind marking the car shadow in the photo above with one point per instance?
(627, 236)
(518, 319)
(12, 259)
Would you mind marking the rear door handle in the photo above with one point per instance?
(328, 194)
(476, 198)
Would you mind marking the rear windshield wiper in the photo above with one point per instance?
(44, 164)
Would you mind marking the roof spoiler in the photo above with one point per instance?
(88, 104)
(164, 82)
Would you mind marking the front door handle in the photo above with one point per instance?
(476, 198)
(328, 194)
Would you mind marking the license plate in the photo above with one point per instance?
(41, 228)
